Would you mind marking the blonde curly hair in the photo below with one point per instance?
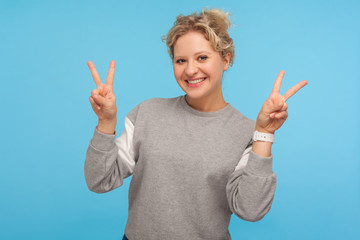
(213, 24)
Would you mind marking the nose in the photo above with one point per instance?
(191, 68)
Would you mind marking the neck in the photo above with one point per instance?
(211, 103)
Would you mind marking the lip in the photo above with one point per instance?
(195, 85)
(193, 79)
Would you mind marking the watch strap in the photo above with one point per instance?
(264, 137)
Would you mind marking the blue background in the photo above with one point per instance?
(47, 121)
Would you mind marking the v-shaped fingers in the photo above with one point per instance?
(294, 89)
(94, 74)
(111, 73)
(277, 84)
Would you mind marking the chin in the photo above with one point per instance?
(194, 93)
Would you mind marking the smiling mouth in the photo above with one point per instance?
(195, 81)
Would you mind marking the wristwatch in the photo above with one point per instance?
(265, 137)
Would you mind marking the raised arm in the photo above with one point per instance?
(108, 161)
(251, 187)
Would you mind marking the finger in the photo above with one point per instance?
(277, 84)
(93, 104)
(99, 100)
(95, 91)
(94, 74)
(272, 105)
(280, 115)
(284, 107)
(111, 73)
(278, 104)
(294, 89)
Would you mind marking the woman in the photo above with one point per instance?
(195, 159)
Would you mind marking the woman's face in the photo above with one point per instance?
(198, 68)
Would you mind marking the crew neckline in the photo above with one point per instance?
(204, 114)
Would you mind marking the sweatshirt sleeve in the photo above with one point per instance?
(109, 161)
(251, 187)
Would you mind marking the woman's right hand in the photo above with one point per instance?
(103, 100)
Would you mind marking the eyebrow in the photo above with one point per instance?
(197, 53)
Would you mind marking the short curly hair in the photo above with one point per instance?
(212, 23)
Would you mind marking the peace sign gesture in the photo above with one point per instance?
(102, 99)
(274, 111)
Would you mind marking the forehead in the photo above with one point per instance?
(191, 43)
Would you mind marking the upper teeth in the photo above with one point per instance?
(196, 81)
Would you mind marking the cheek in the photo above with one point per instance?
(177, 72)
(215, 70)
(219, 69)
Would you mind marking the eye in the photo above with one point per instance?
(202, 58)
(180, 61)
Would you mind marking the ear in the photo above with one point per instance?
(227, 61)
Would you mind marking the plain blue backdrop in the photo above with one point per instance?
(47, 121)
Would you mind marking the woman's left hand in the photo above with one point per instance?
(274, 111)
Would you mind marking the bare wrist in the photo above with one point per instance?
(262, 149)
(107, 126)
(263, 130)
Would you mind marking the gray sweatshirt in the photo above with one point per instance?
(190, 170)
